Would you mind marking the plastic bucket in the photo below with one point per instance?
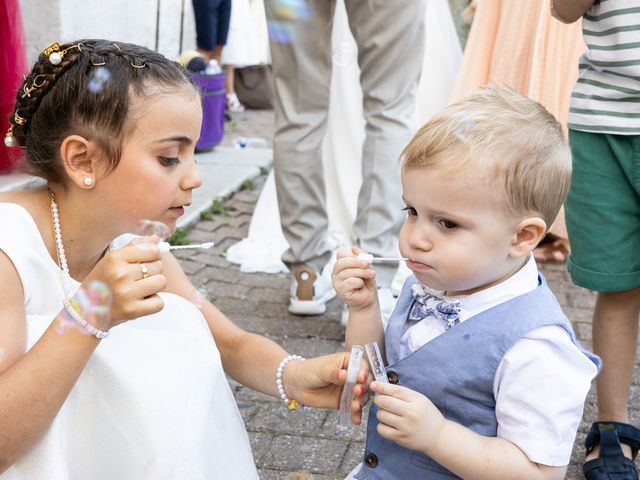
(213, 105)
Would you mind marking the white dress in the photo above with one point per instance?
(342, 145)
(241, 48)
(153, 401)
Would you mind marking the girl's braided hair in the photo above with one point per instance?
(88, 93)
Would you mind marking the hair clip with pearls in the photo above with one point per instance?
(9, 138)
(55, 54)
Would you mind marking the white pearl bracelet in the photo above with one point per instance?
(290, 403)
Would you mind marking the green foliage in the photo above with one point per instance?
(218, 208)
(179, 237)
(247, 185)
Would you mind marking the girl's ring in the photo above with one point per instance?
(144, 270)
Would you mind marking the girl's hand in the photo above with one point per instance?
(317, 382)
(122, 272)
(354, 280)
(407, 417)
(360, 396)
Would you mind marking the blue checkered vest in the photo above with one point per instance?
(455, 371)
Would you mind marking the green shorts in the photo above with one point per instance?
(603, 211)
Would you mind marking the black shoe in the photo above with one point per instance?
(611, 463)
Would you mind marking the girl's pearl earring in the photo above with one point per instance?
(88, 181)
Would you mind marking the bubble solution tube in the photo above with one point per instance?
(357, 352)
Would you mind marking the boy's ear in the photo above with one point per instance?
(529, 232)
(79, 159)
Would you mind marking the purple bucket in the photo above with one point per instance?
(213, 104)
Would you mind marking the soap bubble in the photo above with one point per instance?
(284, 15)
(200, 296)
(92, 302)
(279, 31)
(146, 228)
(99, 77)
(463, 128)
(291, 9)
(344, 54)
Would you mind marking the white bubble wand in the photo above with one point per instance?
(165, 246)
(367, 257)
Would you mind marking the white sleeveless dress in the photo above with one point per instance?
(153, 401)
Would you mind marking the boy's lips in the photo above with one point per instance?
(415, 265)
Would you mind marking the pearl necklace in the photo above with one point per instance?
(62, 259)
(66, 276)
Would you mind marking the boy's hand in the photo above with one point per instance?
(354, 280)
(407, 417)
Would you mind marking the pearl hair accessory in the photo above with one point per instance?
(88, 181)
(66, 277)
(290, 403)
(9, 139)
(55, 58)
(54, 53)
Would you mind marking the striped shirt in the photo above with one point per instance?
(606, 98)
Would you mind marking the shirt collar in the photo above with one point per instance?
(523, 281)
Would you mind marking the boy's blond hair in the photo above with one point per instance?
(504, 137)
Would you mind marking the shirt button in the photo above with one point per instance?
(371, 460)
(393, 377)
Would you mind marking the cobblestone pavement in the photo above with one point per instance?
(304, 445)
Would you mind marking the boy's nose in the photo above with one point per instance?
(420, 240)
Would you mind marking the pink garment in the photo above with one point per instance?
(520, 44)
(13, 64)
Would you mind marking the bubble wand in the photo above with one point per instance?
(165, 246)
(367, 257)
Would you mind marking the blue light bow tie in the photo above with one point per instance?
(428, 302)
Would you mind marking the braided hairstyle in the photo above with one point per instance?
(89, 93)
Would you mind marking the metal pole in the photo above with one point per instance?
(181, 27)
(157, 25)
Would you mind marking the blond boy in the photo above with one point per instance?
(491, 379)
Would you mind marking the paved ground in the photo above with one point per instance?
(304, 446)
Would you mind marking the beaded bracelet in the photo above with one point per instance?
(81, 322)
(290, 403)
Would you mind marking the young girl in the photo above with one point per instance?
(112, 128)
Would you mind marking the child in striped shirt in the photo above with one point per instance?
(603, 214)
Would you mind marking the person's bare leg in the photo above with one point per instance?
(615, 338)
(229, 81)
(205, 53)
(217, 54)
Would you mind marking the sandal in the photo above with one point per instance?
(611, 463)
